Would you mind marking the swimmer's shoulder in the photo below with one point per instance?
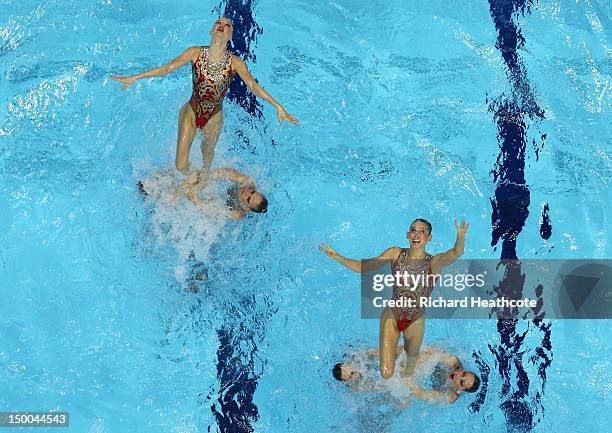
(236, 61)
(193, 52)
(392, 253)
(237, 215)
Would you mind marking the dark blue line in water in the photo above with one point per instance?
(237, 382)
(510, 209)
(234, 408)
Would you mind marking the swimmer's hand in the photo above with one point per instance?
(283, 115)
(328, 250)
(189, 190)
(461, 230)
(126, 81)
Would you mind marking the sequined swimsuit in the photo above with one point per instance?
(404, 316)
(210, 84)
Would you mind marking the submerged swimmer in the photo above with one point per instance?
(212, 69)
(242, 196)
(407, 261)
(448, 378)
(443, 370)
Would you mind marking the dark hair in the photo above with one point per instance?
(475, 385)
(337, 371)
(263, 205)
(424, 221)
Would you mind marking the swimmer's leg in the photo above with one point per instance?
(388, 338)
(413, 338)
(186, 133)
(210, 136)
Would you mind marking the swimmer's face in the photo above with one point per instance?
(251, 198)
(462, 379)
(349, 373)
(418, 234)
(222, 28)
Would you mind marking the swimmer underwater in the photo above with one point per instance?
(241, 198)
(448, 378)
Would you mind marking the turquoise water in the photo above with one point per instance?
(395, 118)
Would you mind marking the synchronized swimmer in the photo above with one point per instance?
(213, 67)
(241, 197)
(412, 260)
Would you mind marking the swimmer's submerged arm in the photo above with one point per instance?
(191, 194)
(433, 396)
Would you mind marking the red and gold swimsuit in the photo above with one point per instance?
(210, 84)
(421, 270)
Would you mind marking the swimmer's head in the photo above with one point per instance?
(222, 28)
(253, 200)
(465, 380)
(419, 233)
(344, 372)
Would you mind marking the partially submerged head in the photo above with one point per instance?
(464, 380)
(419, 233)
(222, 29)
(253, 200)
(345, 372)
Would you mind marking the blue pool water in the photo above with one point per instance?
(495, 112)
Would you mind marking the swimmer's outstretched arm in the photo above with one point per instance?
(433, 396)
(361, 265)
(190, 54)
(442, 260)
(260, 92)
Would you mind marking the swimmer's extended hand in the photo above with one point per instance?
(328, 250)
(283, 115)
(126, 81)
(461, 230)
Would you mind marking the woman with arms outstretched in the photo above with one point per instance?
(413, 260)
(212, 69)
